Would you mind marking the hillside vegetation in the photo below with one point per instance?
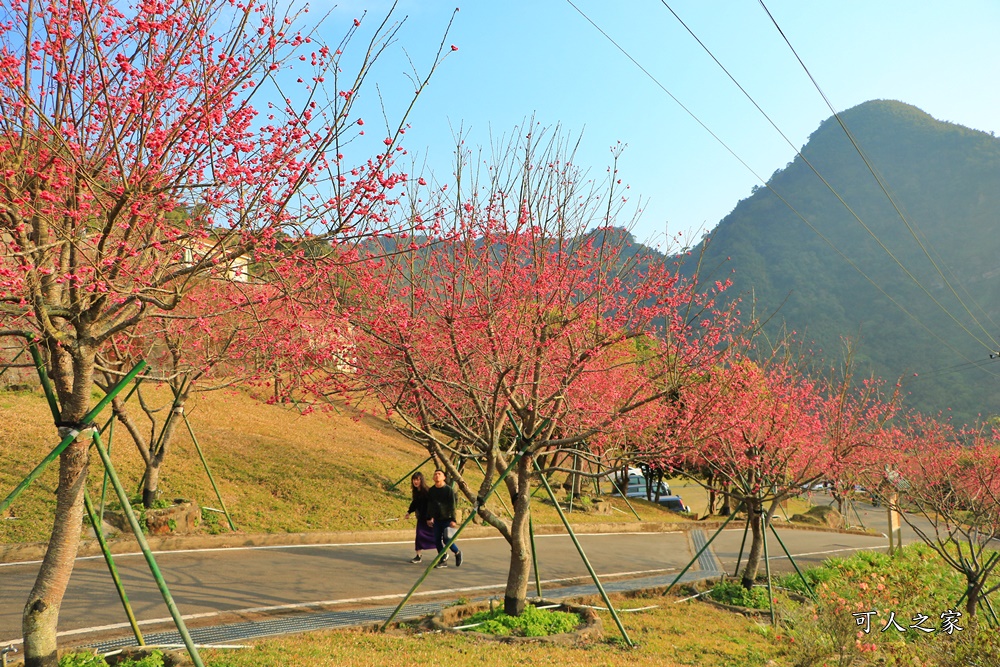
(945, 179)
(278, 470)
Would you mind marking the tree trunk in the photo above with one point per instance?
(520, 544)
(151, 481)
(151, 489)
(727, 503)
(577, 477)
(756, 546)
(972, 592)
(73, 379)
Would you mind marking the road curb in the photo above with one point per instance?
(88, 547)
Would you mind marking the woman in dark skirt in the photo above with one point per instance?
(418, 506)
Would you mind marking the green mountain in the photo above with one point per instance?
(922, 296)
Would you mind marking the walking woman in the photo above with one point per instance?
(425, 534)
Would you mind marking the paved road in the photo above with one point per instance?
(208, 583)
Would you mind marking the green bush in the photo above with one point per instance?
(82, 660)
(154, 659)
(533, 622)
(732, 592)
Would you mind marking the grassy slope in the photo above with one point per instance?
(278, 470)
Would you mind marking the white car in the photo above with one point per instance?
(637, 488)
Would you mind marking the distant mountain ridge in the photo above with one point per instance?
(945, 178)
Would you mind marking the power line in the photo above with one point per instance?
(957, 368)
(885, 191)
(836, 194)
(770, 188)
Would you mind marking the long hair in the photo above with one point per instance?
(420, 489)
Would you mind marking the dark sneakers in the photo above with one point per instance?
(445, 559)
(440, 565)
(416, 559)
(458, 559)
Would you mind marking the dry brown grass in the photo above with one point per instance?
(278, 470)
(666, 636)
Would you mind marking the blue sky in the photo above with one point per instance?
(521, 58)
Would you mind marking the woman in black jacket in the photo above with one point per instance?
(425, 534)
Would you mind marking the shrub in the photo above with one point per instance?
(82, 660)
(154, 659)
(533, 622)
(731, 592)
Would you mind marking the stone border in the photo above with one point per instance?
(591, 630)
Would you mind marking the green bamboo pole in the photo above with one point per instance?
(110, 427)
(854, 506)
(695, 559)
(743, 544)
(767, 570)
(12, 361)
(218, 495)
(147, 552)
(534, 557)
(104, 483)
(419, 466)
(586, 561)
(572, 483)
(99, 532)
(43, 376)
(70, 437)
(989, 605)
(624, 497)
(95, 520)
(539, 488)
(507, 509)
(774, 531)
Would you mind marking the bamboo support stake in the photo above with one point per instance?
(70, 437)
(211, 479)
(148, 553)
(586, 561)
(534, 558)
(774, 531)
(109, 559)
(507, 509)
(418, 467)
(767, 570)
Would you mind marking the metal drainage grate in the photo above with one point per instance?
(224, 634)
(706, 561)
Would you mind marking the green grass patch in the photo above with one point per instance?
(533, 622)
(733, 593)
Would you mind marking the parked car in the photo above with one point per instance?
(674, 503)
(637, 488)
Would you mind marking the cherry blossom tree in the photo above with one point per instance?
(134, 135)
(216, 338)
(946, 486)
(757, 427)
(857, 419)
(528, 328)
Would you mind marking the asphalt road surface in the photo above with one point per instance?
(213, 584)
